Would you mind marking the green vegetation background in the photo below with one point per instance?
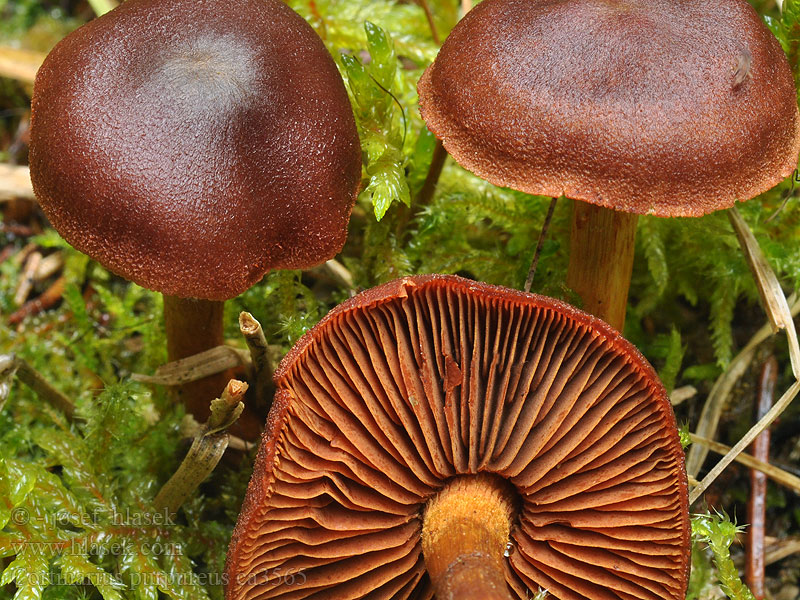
(74, 497)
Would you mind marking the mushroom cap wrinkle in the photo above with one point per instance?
(664, 107)
(411, 384)
(192, 146)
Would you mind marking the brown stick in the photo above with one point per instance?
(757, 507)
(465, 532)
(601, 260)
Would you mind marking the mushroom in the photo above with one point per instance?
(439, 435)
(190, 147)
(662, 107)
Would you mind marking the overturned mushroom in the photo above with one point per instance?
(191, 146)
(436, 435)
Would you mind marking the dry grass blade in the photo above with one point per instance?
(768, 287)
(776, 474)
(196, 367)
(720, 392)
(746, 440)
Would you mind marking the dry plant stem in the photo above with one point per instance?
(777, 474)
(19, 64)
(781, 405)
(757, 506)
(465, 532)
(207, 449)
(601, 260)
(197, 366)
(194, 326)
(260, 358)
(720, 392)
(542, 234)
(339, 273)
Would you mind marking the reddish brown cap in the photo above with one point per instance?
(668, 107)
(410, 384)
(191, 146)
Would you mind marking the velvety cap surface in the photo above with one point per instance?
(191, 146)
(412, 383)
(668, 107)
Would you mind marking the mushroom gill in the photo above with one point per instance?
(432, 386)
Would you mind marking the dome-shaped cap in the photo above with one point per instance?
(191, 146)
(413, 383)
(668, 107)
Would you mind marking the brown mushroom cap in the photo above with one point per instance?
(410, 384)
(190, 146)
(668, 107)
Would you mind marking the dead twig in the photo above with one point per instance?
(207, 449)
(49, 266)
(771, 293)
(197, 366)
(260, 357)
(339, 273)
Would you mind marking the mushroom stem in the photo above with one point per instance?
(193, 326)
(465, 532)
(601, 260)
